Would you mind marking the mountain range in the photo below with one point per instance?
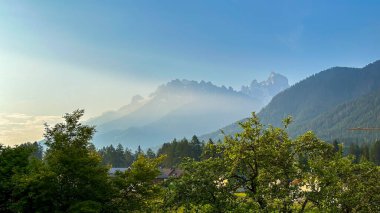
(328, 103)
(182, 108)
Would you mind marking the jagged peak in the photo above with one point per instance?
(274, 84)
(272, 79)
(185, 85)
(274, 75)
(185, 82)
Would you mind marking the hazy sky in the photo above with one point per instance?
(56, 56)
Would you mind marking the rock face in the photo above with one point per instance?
(181, 108)
(265, 90)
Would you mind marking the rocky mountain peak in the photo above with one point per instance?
(265, 90)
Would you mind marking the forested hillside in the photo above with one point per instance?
(328, 102)
(323, 92)
(363, 112)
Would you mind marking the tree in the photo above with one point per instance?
(71, 175)
(139, 151)
(129, 157)
(203, 187)
(150, 153)
(13, 161)
(178, 150)
(375, 153)
(365, 152)
(343, 185)
(135, 187)
(119, 158)
(210, 150)
(108, 155)
(336, 146)
(270, 166)
(355, 151)
(196, 149)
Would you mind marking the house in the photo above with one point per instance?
(166, 173)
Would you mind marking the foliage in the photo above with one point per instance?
(374, 153)
(266, 161)
(335, 122)
(260, 169)
(71, 173)
(135, 188)
(117, 158)
(211, 150)
(13, 162)
(341, 185)
(178, 150)
(150, 153)
(281, 174)
(203, 184)
(365, 152)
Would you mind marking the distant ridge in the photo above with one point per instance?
(181, 108)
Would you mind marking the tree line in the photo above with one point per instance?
(177, 150)
(260, 169)
(367, 151)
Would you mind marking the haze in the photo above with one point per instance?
(57, 56)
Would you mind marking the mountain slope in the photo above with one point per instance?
(186, 121)
(316, 95)
(136, 103)
(178, 109)
(362, 112)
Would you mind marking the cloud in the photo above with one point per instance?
(17, 128)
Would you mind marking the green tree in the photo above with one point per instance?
(108, 155)
(365, 152)
(196, 148)
(119, 158)
(203, 187)
(355, 151)
(336, 146)
(129, 157)
(210, 150)
(375, 153)
(139, 151)
(178, 150)
(150, 153)
(342, 185)
(13, 161)
(271, 166)
(71, 175)
(135, 188)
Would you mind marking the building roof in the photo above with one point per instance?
(166, 173)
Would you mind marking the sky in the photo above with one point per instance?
(57, 56)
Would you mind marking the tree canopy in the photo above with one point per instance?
(260, 169)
